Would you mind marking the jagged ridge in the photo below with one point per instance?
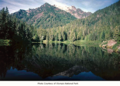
(46, 16)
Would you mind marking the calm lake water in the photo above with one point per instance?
(58, 62)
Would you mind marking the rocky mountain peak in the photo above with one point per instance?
(77, 12)
(73, 8)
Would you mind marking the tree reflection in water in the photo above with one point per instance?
(51, 60)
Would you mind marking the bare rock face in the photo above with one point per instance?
(73, 8)
(111, 43)
(108, 45)
(110, 50)
(78, 13)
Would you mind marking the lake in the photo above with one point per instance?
(58, 62)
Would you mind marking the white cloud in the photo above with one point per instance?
(56, 2)
(85, 5)
(15, 5)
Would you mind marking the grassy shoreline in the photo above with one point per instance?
(6, 42)
(77, 43)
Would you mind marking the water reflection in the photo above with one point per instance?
(57, 62)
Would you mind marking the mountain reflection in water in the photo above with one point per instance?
(57, 62)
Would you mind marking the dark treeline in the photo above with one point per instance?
(13, 56)
(14, 29)
(102, 25)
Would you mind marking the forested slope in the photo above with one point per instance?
(14, 29)
(102, 25)
(45, 16)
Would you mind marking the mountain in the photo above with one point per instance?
(15, 30)
(102, 25)
(45, 16)
(78, 13)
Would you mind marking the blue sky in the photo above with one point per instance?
(85, 5)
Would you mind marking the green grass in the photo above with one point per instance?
(118, 50)
(4, 42)
(37, 42)
(50, 41)
(115, 46)
(67, 42)
(55, 41)
(45, 41)
(104, 43)
(84, 42)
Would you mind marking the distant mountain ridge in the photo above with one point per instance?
(45, 16)
(78, 13)
(102, 25)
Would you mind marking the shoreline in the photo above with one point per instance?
(110, 46)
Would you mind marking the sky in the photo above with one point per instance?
(85, 5)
